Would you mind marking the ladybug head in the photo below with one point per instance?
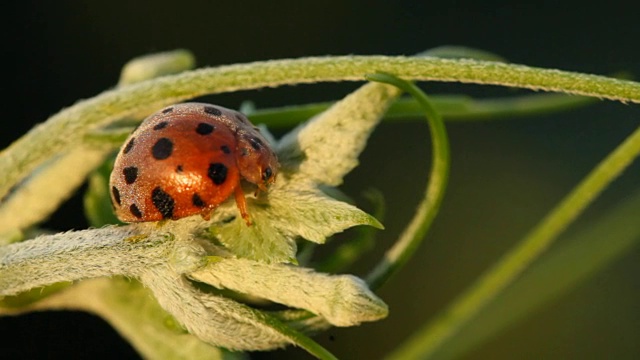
(257, 162)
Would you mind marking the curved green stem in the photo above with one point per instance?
(70, 125)
(451, 107)
(415, 232)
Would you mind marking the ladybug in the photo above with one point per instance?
(186, 159)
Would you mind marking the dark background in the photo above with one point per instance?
(505, 175)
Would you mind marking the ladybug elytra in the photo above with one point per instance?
(186, 159)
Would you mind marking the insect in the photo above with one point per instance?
(186, 159)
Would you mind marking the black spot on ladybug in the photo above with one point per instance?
(196, 200)
(129, 146)
(217, 172)
(162, 149)
(225, 149)
(116, 194)
(267, 173)
(130, 174)
(179, 169)
(135, 211)
(212, 110)
(161, 125)
(256, 143)
(167, 110)
(204, 129)
(163, 202)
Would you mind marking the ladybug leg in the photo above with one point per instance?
(206, 215)
(241, 202)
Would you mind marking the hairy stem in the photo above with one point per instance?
(70, 125)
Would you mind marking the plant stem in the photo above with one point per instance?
(70, 125)
(451, 107)
(414, 233)
(431, 337)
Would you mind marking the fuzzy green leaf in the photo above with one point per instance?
(326, 148)
(289, 213)
(317, 153)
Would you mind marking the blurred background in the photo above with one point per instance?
(506, 175)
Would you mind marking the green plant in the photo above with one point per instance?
(211, 290)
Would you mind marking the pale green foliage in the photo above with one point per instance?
(161, 256)
(80, 269)
(318, 152)
(346, 302)
(15, 215)
(329, 144)
(68, 127)
(292, 211)
(155, 65)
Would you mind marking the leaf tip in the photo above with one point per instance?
(372, 221)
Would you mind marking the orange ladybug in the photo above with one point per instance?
(186, 159)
